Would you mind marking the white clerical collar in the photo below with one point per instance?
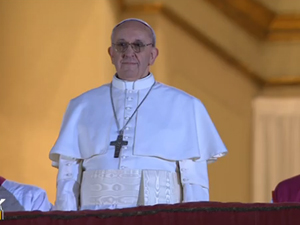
(143, 83)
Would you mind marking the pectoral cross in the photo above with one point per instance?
(118, 144)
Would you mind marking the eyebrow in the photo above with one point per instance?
(121, 39)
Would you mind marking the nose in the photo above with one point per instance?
(129, 51)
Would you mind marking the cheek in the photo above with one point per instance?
(149, 60)
(116, 60)
(144, 60)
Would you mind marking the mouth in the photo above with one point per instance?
(129, 63)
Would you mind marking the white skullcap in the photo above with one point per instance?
(141, 21)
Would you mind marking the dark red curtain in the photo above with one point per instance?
(212, 213)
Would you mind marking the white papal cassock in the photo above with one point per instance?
(171, 139)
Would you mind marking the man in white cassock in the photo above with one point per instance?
(134, 141)
(22, 197)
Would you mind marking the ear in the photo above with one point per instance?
(110, 52)
(154, 54)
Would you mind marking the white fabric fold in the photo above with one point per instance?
(173, 127)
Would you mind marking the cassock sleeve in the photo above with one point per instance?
(194, 180)
(68, 184)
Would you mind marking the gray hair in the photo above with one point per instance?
(137, 20)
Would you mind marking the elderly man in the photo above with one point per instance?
(134, 141)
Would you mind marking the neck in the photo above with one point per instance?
(132, 80)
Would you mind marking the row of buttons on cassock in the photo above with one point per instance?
(127, 108)
(127, 128)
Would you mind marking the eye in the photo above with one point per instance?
(122, 44)
(138, 44)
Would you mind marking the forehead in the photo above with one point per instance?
(131, 31)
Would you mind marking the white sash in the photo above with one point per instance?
(129, 188)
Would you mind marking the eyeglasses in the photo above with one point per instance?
(136, 46)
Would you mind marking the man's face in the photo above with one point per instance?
(132, 65)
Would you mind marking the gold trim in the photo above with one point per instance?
(285, 22)
(285, 28)
(283, 80)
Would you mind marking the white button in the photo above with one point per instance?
(124, 147)
(129, 99)
(130, 91)
(127, 128)
(127, 108)
(125, 137)
(185, 179)
(126, 117)
(123, 167)
(124, 157)
(68, 164)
